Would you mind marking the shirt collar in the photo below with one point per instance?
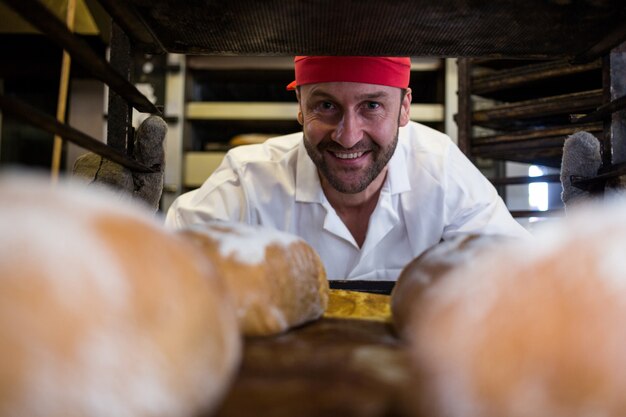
(397, 173)
(309, 188)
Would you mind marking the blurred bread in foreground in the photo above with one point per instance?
(103, 312)
(528, 329)
(276, 279)
(429, 267)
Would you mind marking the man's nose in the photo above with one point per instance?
(348, 131)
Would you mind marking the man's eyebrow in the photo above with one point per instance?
(373, 96)
(366, 96)
(320, 94)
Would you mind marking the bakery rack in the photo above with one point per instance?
(572, 31)
(544, 38)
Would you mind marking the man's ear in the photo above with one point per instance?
(300, 117)
(405, 108)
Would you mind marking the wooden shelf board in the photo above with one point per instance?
(283, 111)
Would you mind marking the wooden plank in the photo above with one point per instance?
(541, 107)
(57, 147)
(349, 363)
(603, 112)
(555, 143)
(332, 367)
(241, 111)
(548, 157)
(518, 76)
(226, 110)
(537, 133)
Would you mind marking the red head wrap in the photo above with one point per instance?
(390, 71)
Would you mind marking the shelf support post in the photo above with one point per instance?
(464, 114)
(119, 121)
(614, 150)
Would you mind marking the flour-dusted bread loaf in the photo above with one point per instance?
(529, 329)
(276, 279)
(427, 268)
(103, 312)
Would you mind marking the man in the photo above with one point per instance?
(362, 184)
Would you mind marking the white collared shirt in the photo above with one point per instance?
(431, 192)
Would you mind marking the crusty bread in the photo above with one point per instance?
(529, 329)
(103, 312)
(276, 279)
(432, 264)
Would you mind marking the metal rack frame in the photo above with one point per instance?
(425, 30)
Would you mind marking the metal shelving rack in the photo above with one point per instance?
(528, 109)
(576, 32)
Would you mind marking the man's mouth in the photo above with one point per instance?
(348, 155)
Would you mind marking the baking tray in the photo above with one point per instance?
(348, 363)
(444, 28)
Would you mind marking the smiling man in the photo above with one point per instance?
(366, 187)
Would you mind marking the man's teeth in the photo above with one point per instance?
(353, 155)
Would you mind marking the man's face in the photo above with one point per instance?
(351, 130)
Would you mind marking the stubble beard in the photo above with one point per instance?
(364, 177)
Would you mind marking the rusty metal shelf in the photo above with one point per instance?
(508, 28)
(33, 116)
(535, 134)
(603, 112)
(502, 114)
(519, 76)
(546, 156)
(39, 16)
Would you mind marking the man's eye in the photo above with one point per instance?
(327, 105)
(373, 105)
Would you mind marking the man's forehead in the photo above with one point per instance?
(349, 89)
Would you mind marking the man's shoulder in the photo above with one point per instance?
(419, 138)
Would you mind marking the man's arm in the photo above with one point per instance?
(221, 197)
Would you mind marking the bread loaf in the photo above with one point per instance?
(529, 329)
(430, 266)
(276, 279)
(103, 312)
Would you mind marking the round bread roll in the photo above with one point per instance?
(527, 329)
(276, 279)
(103, 312)
(435, 262)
